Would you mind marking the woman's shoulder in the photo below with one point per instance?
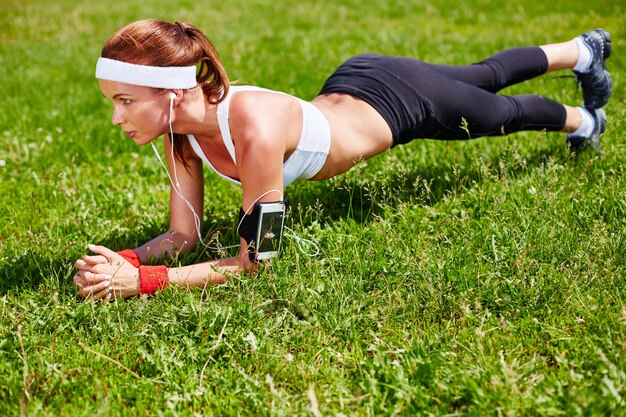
(262, 115)
(256, 102)
(255, 91)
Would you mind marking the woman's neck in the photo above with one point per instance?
(194, 115)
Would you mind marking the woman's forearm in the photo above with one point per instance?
(207, 273)
(167, 244)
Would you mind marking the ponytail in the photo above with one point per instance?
(210, 75)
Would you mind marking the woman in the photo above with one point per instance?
(264, 140)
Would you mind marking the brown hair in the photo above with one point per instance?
(163, 44)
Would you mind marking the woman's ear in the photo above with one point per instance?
(175, 96)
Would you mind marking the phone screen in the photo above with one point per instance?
(270, 232)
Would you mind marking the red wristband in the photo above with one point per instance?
(152, 278)
(131, 256)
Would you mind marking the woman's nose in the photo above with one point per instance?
(117, 118)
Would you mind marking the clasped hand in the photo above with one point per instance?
(105, 275)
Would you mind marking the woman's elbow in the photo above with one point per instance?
(183, 242)
(248, 262)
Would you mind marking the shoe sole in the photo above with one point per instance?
(606, 41)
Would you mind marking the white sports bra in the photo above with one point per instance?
(303, 163)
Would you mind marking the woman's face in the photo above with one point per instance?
(141, 112)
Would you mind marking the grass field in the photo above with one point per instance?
(480, 277)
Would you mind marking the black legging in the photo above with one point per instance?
(422, 100)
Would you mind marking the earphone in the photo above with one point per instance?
(172, 96)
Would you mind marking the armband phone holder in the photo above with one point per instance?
(263, 229)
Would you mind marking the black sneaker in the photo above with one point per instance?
(596, 82)
(578, 143)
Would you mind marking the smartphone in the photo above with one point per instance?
(270, 229)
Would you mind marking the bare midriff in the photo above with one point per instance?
(358, 132)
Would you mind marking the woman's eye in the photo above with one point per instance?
(126, 101)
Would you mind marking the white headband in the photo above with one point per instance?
(144, 75)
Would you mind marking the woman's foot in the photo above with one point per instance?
(595, 80)
(580, 140)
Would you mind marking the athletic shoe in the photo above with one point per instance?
(596, 81)
(578, 143)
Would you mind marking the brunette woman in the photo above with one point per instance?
(166, 79)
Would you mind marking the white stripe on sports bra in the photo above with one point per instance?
(303, 163)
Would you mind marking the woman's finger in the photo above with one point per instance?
(95, 260)
(104, 251)
(91, 278)
(102, 295)
(96, 290)
(79, 264)
(83, 266)
(107, 269)
(78, 281)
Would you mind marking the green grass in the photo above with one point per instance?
(483, 277)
